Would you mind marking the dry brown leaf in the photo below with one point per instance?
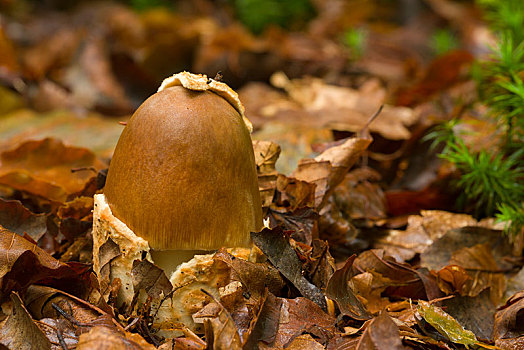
(403, 280)
(441, 74)
(17, 218)
(51, 52)
(328, 169)
(91, 131)
(92, 81)
(220, 328)
(509, 319)
(19, 331)
(340, 291)
(422, 230)
(104, 338)
(452, 278)
(22, 263)
(43, 168)
(438, 254)
(304, 342)
(76, 218)
(343, 108)
(369, 287)
(39, 301)
(8, 59)
(51, 327)
(359, 196)
(301, 316)
(381, 334)
(482, 269)
(266, 155)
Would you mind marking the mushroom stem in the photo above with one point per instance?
(169, 260)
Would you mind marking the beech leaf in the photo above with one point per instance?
(339, 290)
(17, 218)
(22, 263)
(328, 169)
(19, 331)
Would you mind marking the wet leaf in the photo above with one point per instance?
(17, 218)
(339, 290)
(19, 331)
(445, 324)
(43, 168)
(278, 250)
(474, 313)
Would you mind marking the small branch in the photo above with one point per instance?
(370, 120)
(74, 170)
(68, 317)
(61, 339)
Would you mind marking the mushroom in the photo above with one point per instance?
(182, 181)
(183, 174)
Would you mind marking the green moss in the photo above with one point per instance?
(257, 15)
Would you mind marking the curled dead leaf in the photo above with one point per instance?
(17, 218)
(22, 263)
(19, 331)
(339, 290)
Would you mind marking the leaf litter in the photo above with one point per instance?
(349, 259)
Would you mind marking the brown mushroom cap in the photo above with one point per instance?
(183, 173)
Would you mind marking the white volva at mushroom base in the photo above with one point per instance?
(188, 278)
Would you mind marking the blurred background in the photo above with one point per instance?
(307, 71)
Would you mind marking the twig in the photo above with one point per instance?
(68, 317)
(132, 324)
(90, 168)
(61, 339)
(370, 120)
